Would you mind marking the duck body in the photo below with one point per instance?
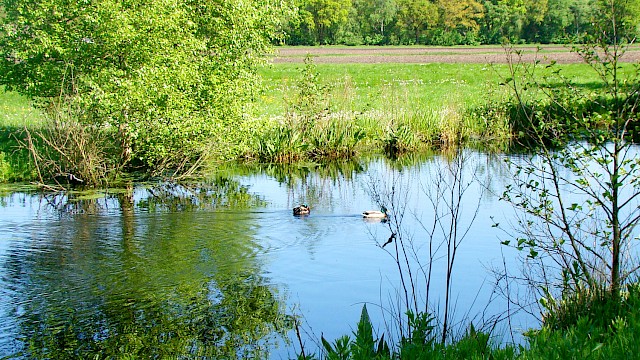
(375, 214)
(303, 209)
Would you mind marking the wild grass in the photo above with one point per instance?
(610, 332)
(363, 88)
(16, 115)
(345, 110)
(404, 108)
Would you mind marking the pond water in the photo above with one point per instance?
(221, 268)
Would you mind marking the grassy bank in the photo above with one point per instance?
(323, 111)
(391, 108)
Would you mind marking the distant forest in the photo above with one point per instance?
(449, 22)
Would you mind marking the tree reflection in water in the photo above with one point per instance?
(147, 273)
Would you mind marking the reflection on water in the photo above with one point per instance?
(215, 269)
(153, 272)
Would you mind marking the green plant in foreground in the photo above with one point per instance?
(335, 138)
(604, 331)
(422, 343)
(607, 333)
(280, 143)
(364, 346)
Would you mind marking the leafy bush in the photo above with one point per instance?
(590, 337)
(169, 74)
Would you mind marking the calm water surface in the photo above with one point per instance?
(219, 270)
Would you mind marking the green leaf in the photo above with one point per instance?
(327, 345)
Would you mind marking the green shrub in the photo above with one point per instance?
(335, 138)
(169, 75)
(5, 168)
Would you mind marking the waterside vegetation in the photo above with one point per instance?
(318, 112)
(609, 331)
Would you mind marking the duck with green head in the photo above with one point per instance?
(375, 214)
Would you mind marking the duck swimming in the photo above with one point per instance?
(375, 214)
(303, 209)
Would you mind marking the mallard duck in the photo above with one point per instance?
(303, 209)
(375, 214)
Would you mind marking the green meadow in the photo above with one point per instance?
(376, 87)
(16, 114)
(340, 110)
(380, 87)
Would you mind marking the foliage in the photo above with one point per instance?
(69, 152)
(309, 131)
(16, 164)
(463, 15)
(416, 16)
(364, 346)
(440, 22)
(612, 334)
(399, 139)
(279, 144)
(327, 14)
(383, 108)
(170, 75)
(308, 102)
(617, 338)
(5, 168)
(596, 304)
(422, 344)
(577, 196)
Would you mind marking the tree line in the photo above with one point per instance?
(446, 22)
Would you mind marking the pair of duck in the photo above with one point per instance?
(304, 209)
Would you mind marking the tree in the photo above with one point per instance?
(383, 12)
(626, 14)
(582, 13)
(461, 14)
(579, 194)
(300, 27)
(167, 77)
(327, 16)
(373, 18)
(556, 22)
(415, 16)
(535, 14)
(504, 20)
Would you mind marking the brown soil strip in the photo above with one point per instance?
(425, 55)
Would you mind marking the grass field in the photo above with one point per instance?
(16, 111)
(367, 87)
(391, 102)
(363, 87)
